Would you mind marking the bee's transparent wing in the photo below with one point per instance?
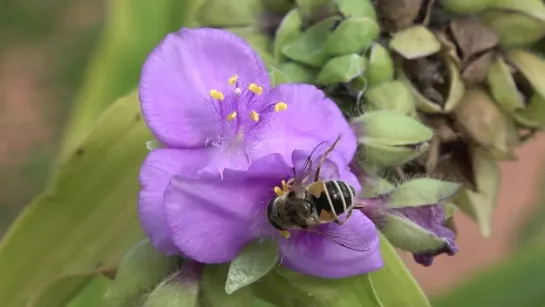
(314, 161)
(346, 236)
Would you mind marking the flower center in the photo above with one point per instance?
(242, 109)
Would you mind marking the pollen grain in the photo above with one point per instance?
(233, 79)
(231, 116)
(278, 191)
(255, 116)
(216, 95)
(284, 233)
(256, 89)
(280, 106)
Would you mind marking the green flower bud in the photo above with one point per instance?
(480, 204)
(375, 186)
(422, 192)
(288, 31)
(466, 6)
(532, 116)
(342, 69)
(393, 95)
(484, 123)
(514, 28)
(409, 236)
(381, 66)
(415, 42)
(353, 35)
(291, 72)
(308, 47)
(533, 8)
(503, 87)
(532, 68)
(427, 80)
(139, 272)
(390, 138)
(219, 13)
(356, 8)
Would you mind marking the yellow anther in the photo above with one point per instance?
(233, 79)
(231, 116)
(216, 95)
(281, 106)
(284, 233)
(255, 116)
(285, 187)
(256, 89)
(278, 191)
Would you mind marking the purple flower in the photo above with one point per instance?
(431, 218)
(206, 96)
(211, 218)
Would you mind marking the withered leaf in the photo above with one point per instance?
(476, 70)
(472, 37)
(398, 14)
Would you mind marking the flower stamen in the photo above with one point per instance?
(231, 116)
(278, 191)
(255, 116)
(233, 79)
(238, 91)
(256, 89)
(280, 106)
(216, 95)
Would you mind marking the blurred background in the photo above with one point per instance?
(48, 47)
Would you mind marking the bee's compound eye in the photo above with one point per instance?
(270, 206)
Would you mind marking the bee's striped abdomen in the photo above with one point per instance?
(336, 195)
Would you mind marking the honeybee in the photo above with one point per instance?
(306, 202)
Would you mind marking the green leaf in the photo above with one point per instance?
(358, 8)
(133, 28)
(221, 14)
(291, 72)
(415, 42)
(422, 191)
(381, 65)
(409, 236)
(213, 293)
(532, 230)
(93, 294)
(88, 220)
(353, 35)
(288, 30)
(516, 281)
(480, 205)
(61, 291)
(308, 48)
(175, 291)
(342, 69)
(139, 272)
(394, 284)
(352, 291)
(390, 95)
(253, 262)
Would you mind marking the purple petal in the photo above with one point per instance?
(212, 218)
(177, 78)
(432, 218)
(159, 166)
(311, 254)
(309, 119)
